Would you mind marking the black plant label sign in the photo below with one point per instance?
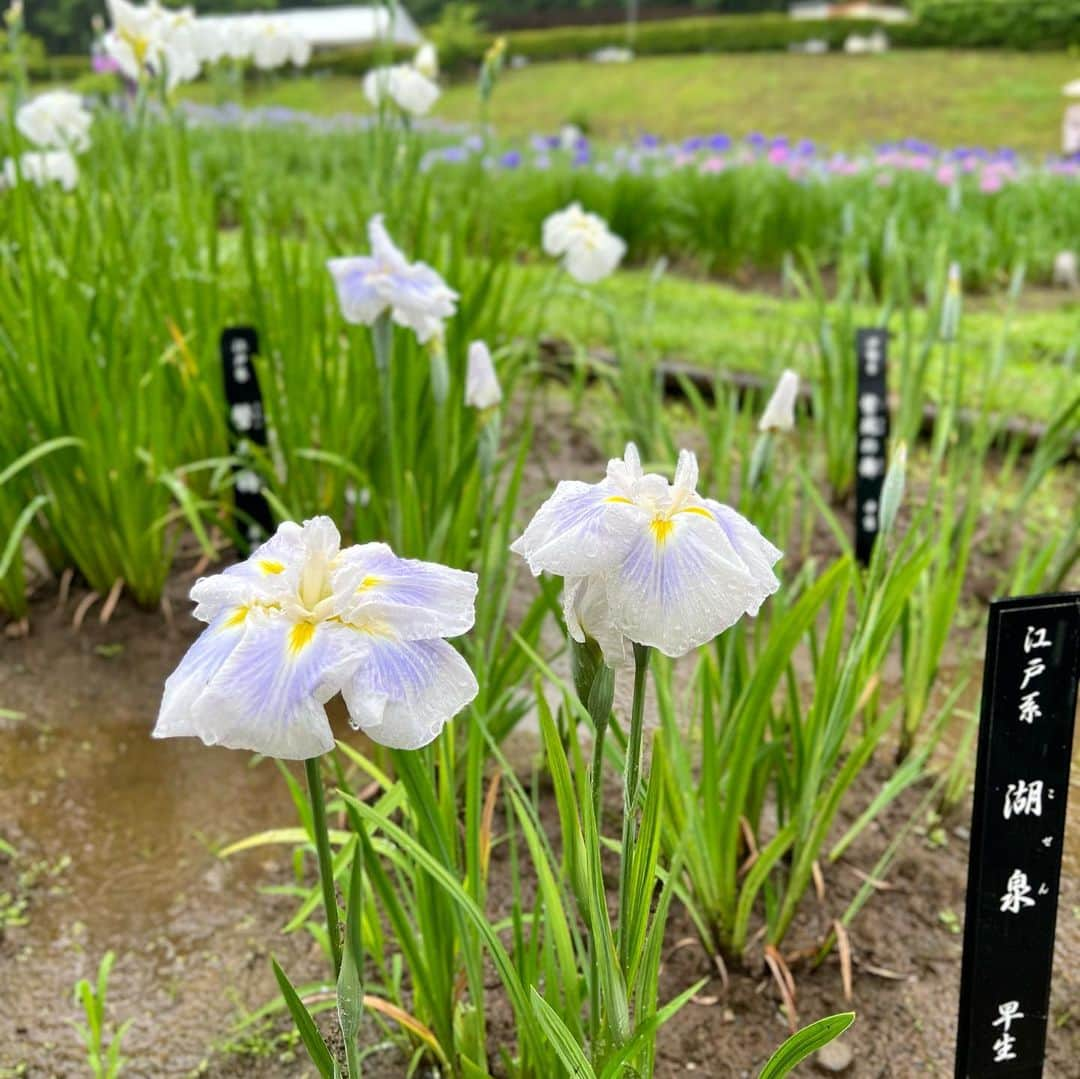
(871, 437)
(1017, 832)
(247, 429)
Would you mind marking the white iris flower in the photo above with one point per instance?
(589, 249)
(426, 61)
(403, 84)
(137, 38)
(302, 620)
(154, 40)
(368, 285)
(56, 120)
(649, 561)
(54, 166)
(274, 44)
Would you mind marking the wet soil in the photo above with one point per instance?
(118, 838)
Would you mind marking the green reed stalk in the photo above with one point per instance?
(632, 791)
(326, 861)
(382, 336)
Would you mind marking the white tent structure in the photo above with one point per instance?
(334, 27)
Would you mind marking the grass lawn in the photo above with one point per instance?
(717, 327)
(952, 98)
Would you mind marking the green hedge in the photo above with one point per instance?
(58, 68)
(726, 33)
(729, 33)
(1003, 24)
(354, 61)
(997, 24)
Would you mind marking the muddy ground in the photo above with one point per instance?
(118, 838)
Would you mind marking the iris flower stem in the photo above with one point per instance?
(597, 777)
(382, 335)
(326, 861)
(631, 790)
(597, 771)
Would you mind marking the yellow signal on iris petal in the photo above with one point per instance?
(300, 636)
(661, 528)
(269, 566)
(367, 582)
(619, 498)
(236, 618)
(701, 512)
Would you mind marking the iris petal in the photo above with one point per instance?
(355, 279)
(756, 552)
(269, 694)
(587, 613)
(186, 684)
(406, 691)
(581, 529)
(418, 599)
(681, 585)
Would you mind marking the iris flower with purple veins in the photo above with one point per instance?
(302, 620)
(648, 561)
(414, 294)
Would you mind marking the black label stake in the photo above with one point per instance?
(247, 428)
(872, 436)
(1017, 832)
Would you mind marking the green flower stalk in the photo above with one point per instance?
(490, 68)
(951, 305)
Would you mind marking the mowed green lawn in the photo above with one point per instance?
(714, 326)
(951, 98)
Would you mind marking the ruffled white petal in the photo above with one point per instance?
(406, 691)
(198, 667)
(587, 614)
(558, 228)
(418, 600)
(360, 299)
(268, 695)
(299, 621)
(757, 553)
(581, 529)
(593, 260)
(271, 572)
(686, 473)
(390, 257)
(680, 586)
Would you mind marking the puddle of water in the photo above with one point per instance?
(123, 829)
